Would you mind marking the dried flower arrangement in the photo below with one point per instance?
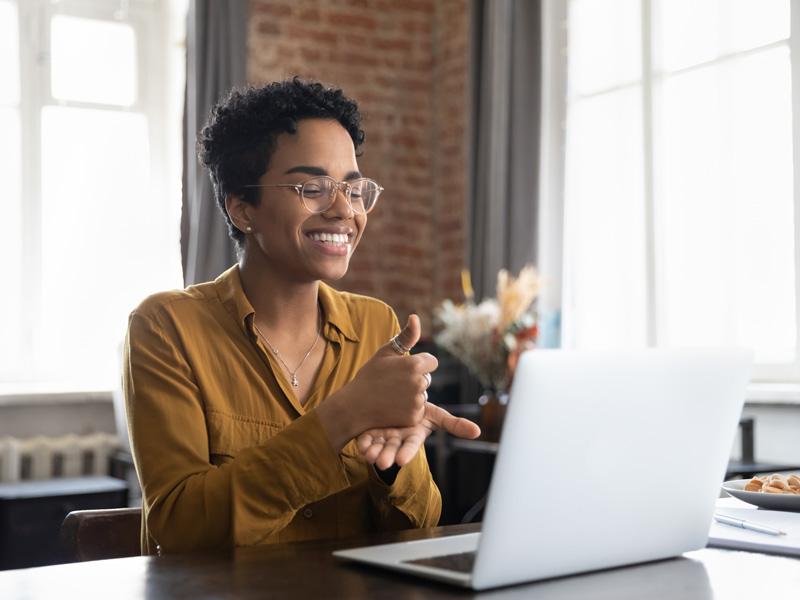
(489, 337)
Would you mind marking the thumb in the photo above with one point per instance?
(457, 426)
(407, 338)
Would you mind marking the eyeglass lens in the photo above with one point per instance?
(320, 193)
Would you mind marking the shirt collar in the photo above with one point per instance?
(337, 312)
(232, 296)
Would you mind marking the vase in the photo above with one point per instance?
(493, 410)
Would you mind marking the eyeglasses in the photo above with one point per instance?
(319, 193)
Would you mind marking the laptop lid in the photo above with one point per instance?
(608, 458)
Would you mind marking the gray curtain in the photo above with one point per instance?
(216, 39)
(506, 88)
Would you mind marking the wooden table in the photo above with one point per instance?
(307, 570)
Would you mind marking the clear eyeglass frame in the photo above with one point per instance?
(305, 191)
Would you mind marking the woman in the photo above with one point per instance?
(245, 395)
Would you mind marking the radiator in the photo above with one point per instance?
(51, 457)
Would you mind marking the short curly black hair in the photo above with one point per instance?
(238, 140)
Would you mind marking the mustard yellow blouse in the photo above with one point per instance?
(225, 453)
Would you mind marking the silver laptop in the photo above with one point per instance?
(606, 459)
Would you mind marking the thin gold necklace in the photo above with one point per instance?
(295, 382)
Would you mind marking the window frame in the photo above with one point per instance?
(152, 25)
(770, 383)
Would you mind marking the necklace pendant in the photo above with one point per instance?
(295, 382)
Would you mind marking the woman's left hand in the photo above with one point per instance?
(385, 446)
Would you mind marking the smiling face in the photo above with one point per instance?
(300, 245)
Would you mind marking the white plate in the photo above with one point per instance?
(761, 499)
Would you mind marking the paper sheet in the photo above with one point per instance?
(727, 536)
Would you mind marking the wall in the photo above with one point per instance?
(776, 432)
(406, 64)
(57, 416)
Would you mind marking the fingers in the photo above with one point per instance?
(392, 388)
(457, 426)
(409, 449)
(364, 441)
(383, 447)
(378, 446)
(388, 452)
(374, 450)
(424, 362)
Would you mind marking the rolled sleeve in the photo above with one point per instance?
(413, 500)
(302, 467)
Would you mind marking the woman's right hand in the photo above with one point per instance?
(388, 391)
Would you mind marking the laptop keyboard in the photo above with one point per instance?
(462, 562)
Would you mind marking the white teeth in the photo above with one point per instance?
(330, 238)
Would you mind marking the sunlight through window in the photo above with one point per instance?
(90, 165)
(679, 219)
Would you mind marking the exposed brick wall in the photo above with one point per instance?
(451, 106)
(405, 62)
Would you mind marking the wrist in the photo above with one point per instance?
(335, 414)
(388, 475)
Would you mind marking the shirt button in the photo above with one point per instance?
(308, 513)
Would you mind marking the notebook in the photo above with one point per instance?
(606, 459)
(726, 536)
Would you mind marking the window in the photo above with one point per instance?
(680, 223)
(90, 160)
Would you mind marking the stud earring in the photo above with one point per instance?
(249, 229)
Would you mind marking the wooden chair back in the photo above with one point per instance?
(101, 534)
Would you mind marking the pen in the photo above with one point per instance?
(747, 525)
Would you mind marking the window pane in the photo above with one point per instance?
(11, 332)
(104, 235)
(605, 244)
(725, 199)
(694, 32)
(9, 54)
(604, 44)
(93, 61)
